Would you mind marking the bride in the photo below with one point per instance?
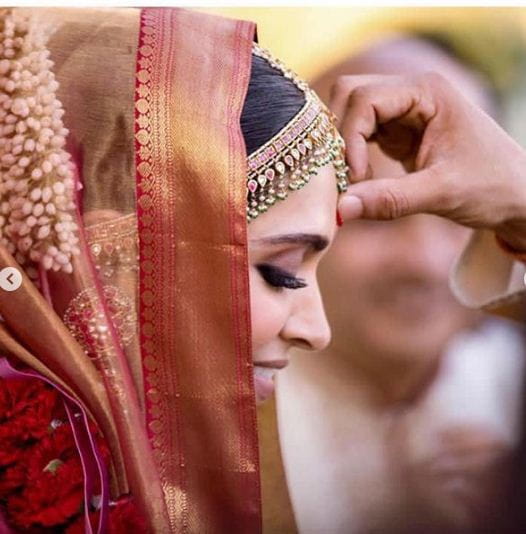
(160, 297)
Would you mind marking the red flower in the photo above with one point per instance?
(51, 501)
(41, 477)
(124, 518)
(27, 408)
(11, 451)
(11, 479)
(52, 492)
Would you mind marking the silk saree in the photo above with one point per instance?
(150, 333)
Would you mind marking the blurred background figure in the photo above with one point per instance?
(409, 421)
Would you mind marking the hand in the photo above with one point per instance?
(460, 164)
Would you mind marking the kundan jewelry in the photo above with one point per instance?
(293, 156)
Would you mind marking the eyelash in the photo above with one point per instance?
(279, 278)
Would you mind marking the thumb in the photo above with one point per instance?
(391, 198)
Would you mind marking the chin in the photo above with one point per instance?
(263, 387)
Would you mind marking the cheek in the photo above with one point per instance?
(269, 312)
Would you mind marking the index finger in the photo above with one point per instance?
(345, 85)
(363, 107)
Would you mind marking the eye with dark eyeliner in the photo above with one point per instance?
(279, 278)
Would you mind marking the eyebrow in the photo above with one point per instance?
(314, 241)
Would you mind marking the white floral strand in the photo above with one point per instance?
(36, 173)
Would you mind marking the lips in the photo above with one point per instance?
(264, 372)
(271, 364)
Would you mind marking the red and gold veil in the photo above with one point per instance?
(149, 333)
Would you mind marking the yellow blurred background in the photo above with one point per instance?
(312, 38)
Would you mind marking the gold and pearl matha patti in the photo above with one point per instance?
(293, 156)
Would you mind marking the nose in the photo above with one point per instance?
(307, 326)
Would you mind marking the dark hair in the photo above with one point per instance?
(272, 101)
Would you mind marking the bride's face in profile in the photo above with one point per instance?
(285, 247)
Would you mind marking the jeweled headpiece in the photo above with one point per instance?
(293, 156)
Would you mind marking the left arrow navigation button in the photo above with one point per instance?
(10, 279)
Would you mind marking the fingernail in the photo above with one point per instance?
(350, 207)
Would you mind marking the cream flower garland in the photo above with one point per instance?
(36, 173)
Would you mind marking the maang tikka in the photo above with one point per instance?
(294, 155)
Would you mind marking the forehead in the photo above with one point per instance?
(310, 210)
